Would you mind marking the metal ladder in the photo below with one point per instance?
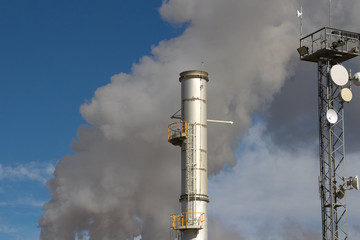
(191, 169)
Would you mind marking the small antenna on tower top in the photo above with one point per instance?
(299, 15)
(329, 13)
(202, 65)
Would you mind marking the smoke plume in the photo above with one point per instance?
(123, 179)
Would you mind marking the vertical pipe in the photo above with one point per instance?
(194, 196)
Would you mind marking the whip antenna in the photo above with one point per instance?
(299, 15)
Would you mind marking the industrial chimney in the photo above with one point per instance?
(190, 133)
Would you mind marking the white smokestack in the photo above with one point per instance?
(192, 222)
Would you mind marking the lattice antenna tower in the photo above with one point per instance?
(329, 48)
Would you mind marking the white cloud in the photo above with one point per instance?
(26, 201)
(30, 202)
(178, 11)
(267, 184)
(32, 171)
(273, 189)
(6, 229)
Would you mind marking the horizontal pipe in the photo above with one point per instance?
(220, 121)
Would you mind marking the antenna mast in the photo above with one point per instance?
(328, 48)
(299, 14)
(329, 13)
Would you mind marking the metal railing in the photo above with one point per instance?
(177, 131)
(330, 42)
(187, 220)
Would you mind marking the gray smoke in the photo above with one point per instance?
(289, 229)
(218, 231)
(123, 179)
(293, 230)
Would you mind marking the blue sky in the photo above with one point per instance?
(53, 56)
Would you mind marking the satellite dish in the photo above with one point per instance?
(346, 94)
(352, 182)
(356, 79)
(339, 75)
(355, 182)
(331, 116)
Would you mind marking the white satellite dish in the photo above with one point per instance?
(346, 94)
(356, 79)
(355, 182)
(339, 75)
(331, 116)
(352, 182)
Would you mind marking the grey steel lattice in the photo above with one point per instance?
(328, 47)
(332, 157)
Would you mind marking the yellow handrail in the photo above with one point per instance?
(187, 220)
(177, 129)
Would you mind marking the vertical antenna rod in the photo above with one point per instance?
(299, 14)
(329, 13)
